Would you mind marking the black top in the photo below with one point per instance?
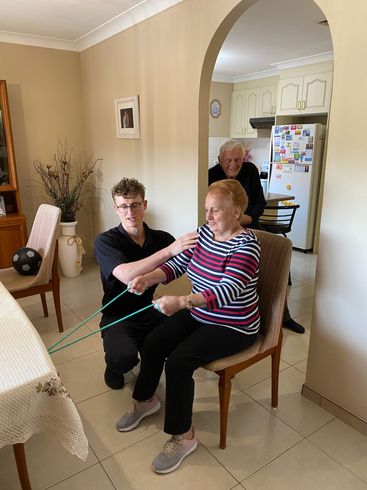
(249, 178)
(115, 247)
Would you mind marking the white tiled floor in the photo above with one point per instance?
(298, 446)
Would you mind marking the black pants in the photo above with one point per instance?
(124, 340)
(184, 345)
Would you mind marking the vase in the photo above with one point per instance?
(70, 250)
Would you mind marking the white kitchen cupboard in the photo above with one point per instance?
(237, 114)
(249, 103)
(307, 94)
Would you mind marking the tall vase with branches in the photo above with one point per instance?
(63, 182)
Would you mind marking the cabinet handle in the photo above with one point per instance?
(299, 105)
(303, 104)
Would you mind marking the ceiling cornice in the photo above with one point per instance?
(123, 21)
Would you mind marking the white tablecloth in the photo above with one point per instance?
(32, 397)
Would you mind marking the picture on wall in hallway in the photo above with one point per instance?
(127, 117)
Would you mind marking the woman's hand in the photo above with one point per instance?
(138, 285)
(170, 304)
(183, 243)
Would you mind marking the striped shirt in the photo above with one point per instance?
(226, 274)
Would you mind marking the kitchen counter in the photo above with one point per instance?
(273, 199)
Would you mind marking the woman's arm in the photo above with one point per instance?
(170, 304)
(127, 271)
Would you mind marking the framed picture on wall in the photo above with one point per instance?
(215, 108)
(127, 117)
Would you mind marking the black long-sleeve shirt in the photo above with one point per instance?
(249, 178)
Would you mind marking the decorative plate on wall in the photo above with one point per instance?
(215, 108)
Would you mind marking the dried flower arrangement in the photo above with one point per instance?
(64, 180)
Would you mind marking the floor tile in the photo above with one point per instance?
(131, 469)
(351, 453)
(47, 461)
(254, 435)
(297, 411)
(100, 414)
(255, 373)
(295, 346)
(83, 377)
(94, 478)
(304, 467)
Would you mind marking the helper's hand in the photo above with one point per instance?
(169, 304)
(183, 243)
(138, 285)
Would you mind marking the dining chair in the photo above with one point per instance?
(275, 257)
(43, 238)
(278, 219)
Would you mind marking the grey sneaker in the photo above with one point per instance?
(137, 412)
(174, 451)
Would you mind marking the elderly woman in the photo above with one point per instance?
(219, 318)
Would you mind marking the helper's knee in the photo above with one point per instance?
(121, 363)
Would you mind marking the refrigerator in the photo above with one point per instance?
(295, 170)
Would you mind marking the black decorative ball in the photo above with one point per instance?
(27, 261)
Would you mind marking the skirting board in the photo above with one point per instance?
(331, 407)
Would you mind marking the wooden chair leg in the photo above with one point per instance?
(275, 362)
(224, 386)
(44, 304)
(21, 462)
(56, 296)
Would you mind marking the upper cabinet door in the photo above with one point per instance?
(267, 98)
(251, 101)
(238, 114)
(289, 96)
(316, 93)
(309, 94)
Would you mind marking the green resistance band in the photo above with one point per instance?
(52, 350)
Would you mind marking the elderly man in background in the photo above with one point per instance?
(232, 166)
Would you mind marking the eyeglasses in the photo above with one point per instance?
(134, 206)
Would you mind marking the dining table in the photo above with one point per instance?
(32, 396)
(273, 199)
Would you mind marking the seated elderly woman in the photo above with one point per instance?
(219, 318)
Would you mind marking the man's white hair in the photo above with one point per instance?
(229, 145)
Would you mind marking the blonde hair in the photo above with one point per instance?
(232, 189)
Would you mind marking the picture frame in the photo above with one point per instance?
(215, 108)
(2, 207)
(127, 117)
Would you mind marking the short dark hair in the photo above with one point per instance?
(128, 188)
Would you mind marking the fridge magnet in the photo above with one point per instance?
(127, 117)
(215, 108)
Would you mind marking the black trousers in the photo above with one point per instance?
(183, 345)
(123, 341)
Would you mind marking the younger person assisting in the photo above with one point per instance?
(123, 252)
(219, 318)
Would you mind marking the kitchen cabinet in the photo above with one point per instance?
(13, 232)
(307, 94)
(249, 103)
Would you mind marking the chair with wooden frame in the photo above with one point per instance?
(43, 237)
(275, 257)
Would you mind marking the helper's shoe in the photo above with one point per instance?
(137, 412)
(174, 452)
(293, 325)
(113, 380)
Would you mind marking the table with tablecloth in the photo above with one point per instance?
(32, 396)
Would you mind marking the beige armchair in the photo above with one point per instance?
(275, 259)
(43, 237)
